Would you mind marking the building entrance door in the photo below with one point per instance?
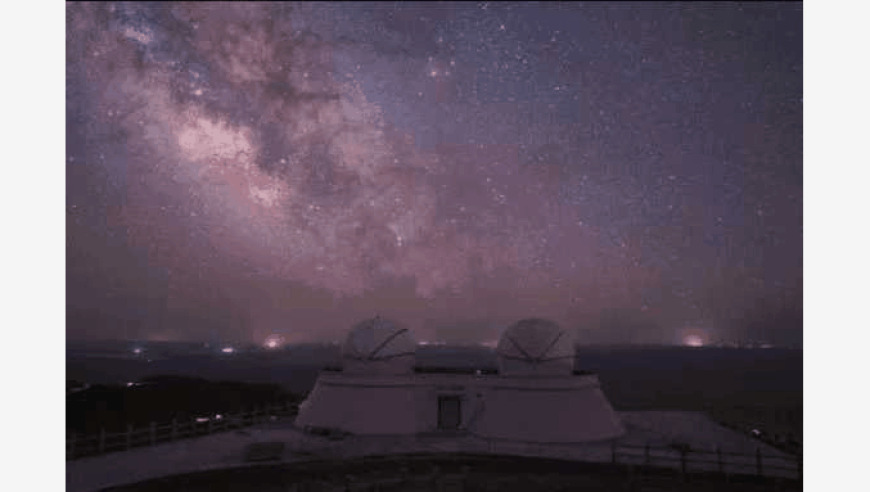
(449, 412)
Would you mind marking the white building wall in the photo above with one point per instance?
(534, 409)
(360, 407)
(578, 414)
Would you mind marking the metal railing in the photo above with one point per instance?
(78, 445)
(699, 461)
(681, 458)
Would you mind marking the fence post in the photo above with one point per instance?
(129, 435)
(152, 432)
(174, 435)
(209, 425)
(683, 462)
(758, 468)
(800, 464)
(72, 446)
(101, 446)
(719, 459)
(613, 452)
(646, 454)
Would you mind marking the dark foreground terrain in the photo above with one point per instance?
(162, 399)
(453, 472)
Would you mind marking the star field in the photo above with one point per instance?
(630, 170)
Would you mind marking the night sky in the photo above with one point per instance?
(631, 171)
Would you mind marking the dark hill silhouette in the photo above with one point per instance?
(162, 398)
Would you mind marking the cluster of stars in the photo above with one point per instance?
(483, 151)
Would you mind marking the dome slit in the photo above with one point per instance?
(385, 343)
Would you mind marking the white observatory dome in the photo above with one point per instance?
(535, 347)
(378, 346)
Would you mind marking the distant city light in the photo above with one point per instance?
(137, 350)
(273, 341)
(201, 420)
(693, 341)
(228, 350)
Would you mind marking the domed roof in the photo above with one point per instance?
(535, 346)
(378, 345)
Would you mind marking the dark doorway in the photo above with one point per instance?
(449, 412)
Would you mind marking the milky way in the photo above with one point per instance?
(633, 171)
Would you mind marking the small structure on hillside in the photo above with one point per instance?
(536, 396)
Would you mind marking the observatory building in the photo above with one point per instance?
(535, 396)
(527, 413)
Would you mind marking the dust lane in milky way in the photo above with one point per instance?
(630, 170)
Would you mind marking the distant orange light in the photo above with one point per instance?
(273, 341)
(693, 341)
